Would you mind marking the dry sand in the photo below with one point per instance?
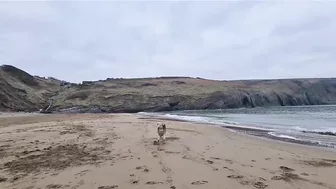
(105, 151)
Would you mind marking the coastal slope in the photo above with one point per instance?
(159, 94)
(20, 91)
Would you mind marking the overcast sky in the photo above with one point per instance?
(223, 40)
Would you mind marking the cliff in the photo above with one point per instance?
(160, 94)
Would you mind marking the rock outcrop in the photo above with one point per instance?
(20, 91)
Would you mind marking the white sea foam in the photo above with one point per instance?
(201, 119)
(322, 129)
(282, 136)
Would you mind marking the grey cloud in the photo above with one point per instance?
(79, 41)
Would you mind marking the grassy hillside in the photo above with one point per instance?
(162, 94)
(21, 91)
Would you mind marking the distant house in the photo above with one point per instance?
(87, 82)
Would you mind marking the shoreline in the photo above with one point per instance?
(250, 131)
(265, 134)
(261, 133)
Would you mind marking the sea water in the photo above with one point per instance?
(315, 124)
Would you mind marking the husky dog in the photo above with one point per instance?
(161, 130)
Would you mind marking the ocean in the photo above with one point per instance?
(315, 125)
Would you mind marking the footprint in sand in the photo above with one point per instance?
(257, 184)
(171, 152)
(144, 168)
(247, 165)
(52, 186)
(199, 182)
(209, 161)
(80, 183)
(286, 169)
(139, 167)
(155, 154)
(78, 174)
(245, 182)
(235, 176)
(3, 179)
(260, 185)
(108, 187)
(153, 182)
(134, 181)
(228, 169)
(286, 174)
(228, 161)
(304, 174)
(286, 177)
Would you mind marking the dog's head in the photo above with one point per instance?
(161, 125)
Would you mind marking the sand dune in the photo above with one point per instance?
(105, 151)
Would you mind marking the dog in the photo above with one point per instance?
(161, 131)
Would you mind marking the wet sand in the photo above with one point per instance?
(105, 151)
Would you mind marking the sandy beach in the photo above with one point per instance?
(105, 151)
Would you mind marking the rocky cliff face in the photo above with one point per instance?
(160, 94)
